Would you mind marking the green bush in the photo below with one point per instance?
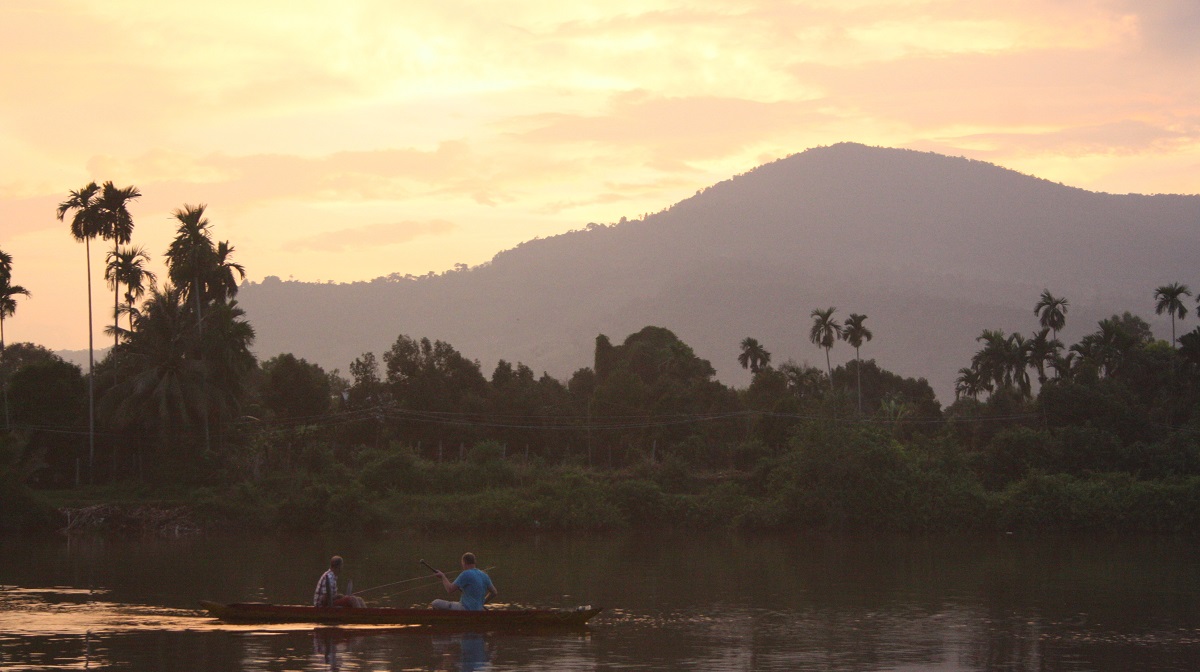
(837, 478)
(1013, 452)
(395, 469)
(639, 501)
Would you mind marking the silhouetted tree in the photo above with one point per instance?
(1051, 311)
(970, 383)
(127, 266)
(1041, 352)
(1169, 299)
(117, 226)
(753, 356)
(8, 307)
(824, 333)
(293, 388)
(855, 333)
(86, 224)
(219, 281)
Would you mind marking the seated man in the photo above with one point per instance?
(476, 587)
(326, 594)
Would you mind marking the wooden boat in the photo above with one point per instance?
(258, 612)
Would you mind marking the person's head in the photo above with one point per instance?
(468, 560)
(335, 563)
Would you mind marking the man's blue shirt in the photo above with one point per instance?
(474, 584)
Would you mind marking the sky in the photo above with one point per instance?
(352, 139)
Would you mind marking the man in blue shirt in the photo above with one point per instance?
(476, 587)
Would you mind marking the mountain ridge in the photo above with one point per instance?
(932, 248)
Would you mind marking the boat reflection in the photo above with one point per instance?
(440, 648)
(472, 649)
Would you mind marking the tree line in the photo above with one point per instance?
(181, 399)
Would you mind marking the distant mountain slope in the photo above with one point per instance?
(933, 249)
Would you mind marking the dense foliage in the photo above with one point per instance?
(1102, 435)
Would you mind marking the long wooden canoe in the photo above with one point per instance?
(258, 612)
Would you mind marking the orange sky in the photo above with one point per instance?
(348, 140)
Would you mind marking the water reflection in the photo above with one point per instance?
(463, 651)
(686, 602)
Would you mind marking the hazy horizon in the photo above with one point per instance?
(356, 140)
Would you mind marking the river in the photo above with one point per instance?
(672, 601)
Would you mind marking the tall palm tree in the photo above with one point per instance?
(824, 333)
(189, 260)
(127, 266)
(754, 356)
(190, 254)
(855, 333)
(86, 224)
(118, 227)
(1170, 300)
(1051, 311)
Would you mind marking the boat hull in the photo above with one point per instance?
(253, 612)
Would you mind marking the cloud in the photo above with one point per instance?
(1168, 28)
(370, 236)
(1127, 137)
(676, 129)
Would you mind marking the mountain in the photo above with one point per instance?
(933, 249)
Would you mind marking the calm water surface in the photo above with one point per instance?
(673, 602)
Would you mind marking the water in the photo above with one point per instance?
(673, 602)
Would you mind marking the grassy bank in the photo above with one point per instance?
(831, 480)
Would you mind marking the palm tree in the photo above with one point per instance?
(1169, 300)
(989, 362)
(1065, 364)
(8, 303)
(1052, 311)
(191, 259)
(1004, 360)
(165, 391)
(127, 266)
(824, 333)
(6, 262)
(754, 356)
(970, 383)
(118, 227)
(1017, 361)
(87, 224)
(804, 381)
(8, 306)
(190, 254)
(219, 281)
(1106, 349)
(855, 333)
(1042, 351)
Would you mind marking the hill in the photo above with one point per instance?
(932, 248)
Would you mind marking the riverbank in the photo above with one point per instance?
(789, 494)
